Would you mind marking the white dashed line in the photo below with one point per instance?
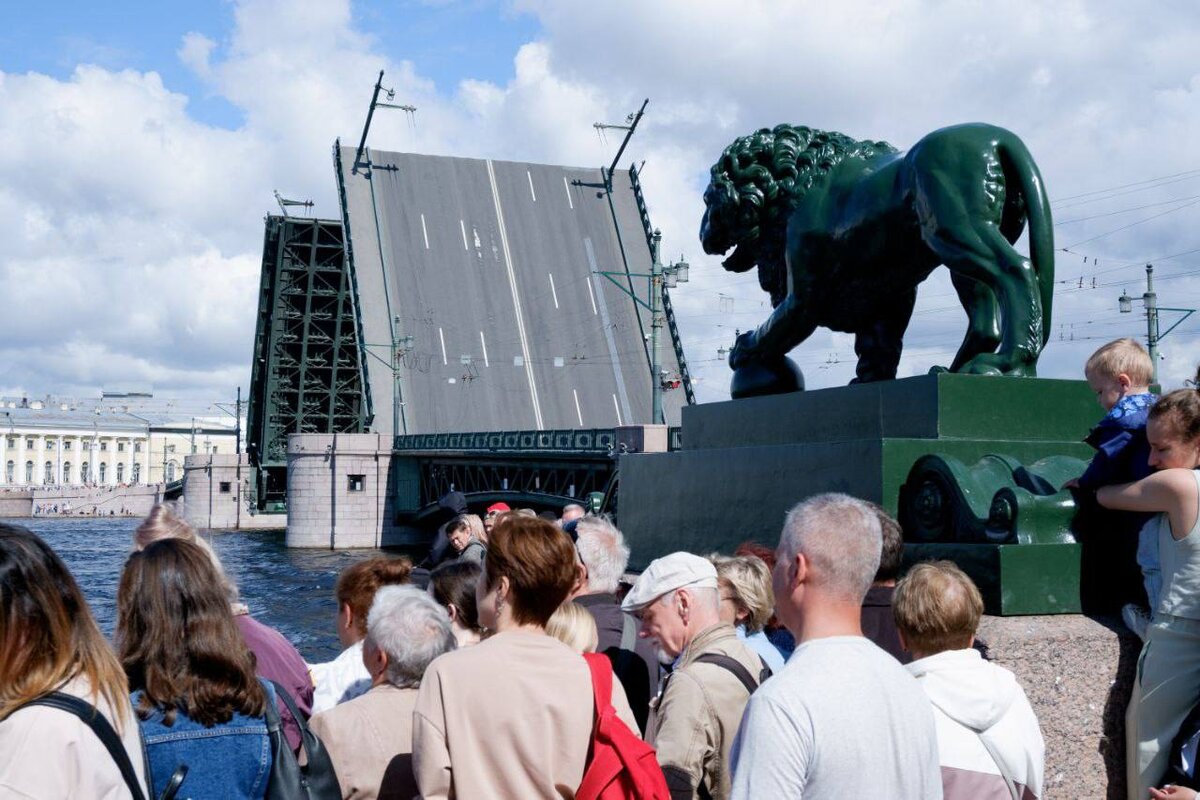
(567, 186)
(463, 227)
(424, 232)
(592, 296)
(578, 412)
(553, 292)
(483, 345)
(532, 193)
(617, 408)
(441, 336)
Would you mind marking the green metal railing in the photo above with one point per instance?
(576, 440)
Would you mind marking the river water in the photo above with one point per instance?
(291, 590)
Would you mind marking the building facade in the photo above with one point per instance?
(41, 446)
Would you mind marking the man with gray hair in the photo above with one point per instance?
(698, 708)
(843, 719)
(571, 512)
(604, 555)
(369, 738)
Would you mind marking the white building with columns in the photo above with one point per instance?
(56, 447)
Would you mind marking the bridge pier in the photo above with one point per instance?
(339, 490)
(215, 488)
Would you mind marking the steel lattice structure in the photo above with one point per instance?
(307, 375)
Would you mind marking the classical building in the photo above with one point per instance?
(55, 446)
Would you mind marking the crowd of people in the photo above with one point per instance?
(811, 668)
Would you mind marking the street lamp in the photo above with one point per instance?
(401, 347)
(660, 276)
(1150, 303)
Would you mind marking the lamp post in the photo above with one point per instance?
(401, 346)
(1150, 303)
(659, 276)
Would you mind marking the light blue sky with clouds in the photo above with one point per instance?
(140, 144)
(451, 41)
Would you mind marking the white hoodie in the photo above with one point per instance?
(972, 697)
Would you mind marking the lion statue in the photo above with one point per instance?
(843, 231)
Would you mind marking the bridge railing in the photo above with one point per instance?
(570, 440)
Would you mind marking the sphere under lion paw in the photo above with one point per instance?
(779, 376)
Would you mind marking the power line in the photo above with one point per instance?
(1126, 210)
(1177, 176)
(1132, 224)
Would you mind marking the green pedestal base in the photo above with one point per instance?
(745, 463)
(1014, 579)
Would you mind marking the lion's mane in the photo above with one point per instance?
(769, 171)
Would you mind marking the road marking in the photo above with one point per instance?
(445, 361)
(512, 285)
(463, 227)
(567, 186)
(578, 412)
(592, 296)
(532, 193)
(553, 292)
(483, 344)
(616, 408)
(424, 232)
(607, 325)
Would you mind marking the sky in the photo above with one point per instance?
(139, 150)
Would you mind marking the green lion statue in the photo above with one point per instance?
(843, 231)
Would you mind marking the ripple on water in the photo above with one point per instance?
(291, 590)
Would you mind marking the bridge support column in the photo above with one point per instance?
(215, 489)
(339, 492)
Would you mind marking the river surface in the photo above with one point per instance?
(291, 590)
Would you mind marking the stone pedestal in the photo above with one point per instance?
(744, 463)
(1077, 672)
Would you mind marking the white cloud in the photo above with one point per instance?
(133, 231)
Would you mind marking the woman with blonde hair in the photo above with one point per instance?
(49, 641)
(572, 625)
(747, 602)
(276, 658)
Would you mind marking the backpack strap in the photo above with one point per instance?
(602, 678)
(733, 665)
(91, 716)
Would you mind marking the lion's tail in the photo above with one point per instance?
(1019, 164)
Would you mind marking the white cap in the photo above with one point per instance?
(667, 574)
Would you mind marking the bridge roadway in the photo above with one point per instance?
(488, 265)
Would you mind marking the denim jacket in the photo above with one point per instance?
(230, 760)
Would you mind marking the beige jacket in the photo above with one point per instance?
(697, 712)
(509, 717)
(369, 740)
(47, 753)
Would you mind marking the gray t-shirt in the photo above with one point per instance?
(843, 719)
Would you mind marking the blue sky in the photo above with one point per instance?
(450, 41)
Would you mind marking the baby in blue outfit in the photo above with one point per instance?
(1120, 373)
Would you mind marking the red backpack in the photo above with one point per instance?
(620, 765)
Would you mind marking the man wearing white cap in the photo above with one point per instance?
(700, 703)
